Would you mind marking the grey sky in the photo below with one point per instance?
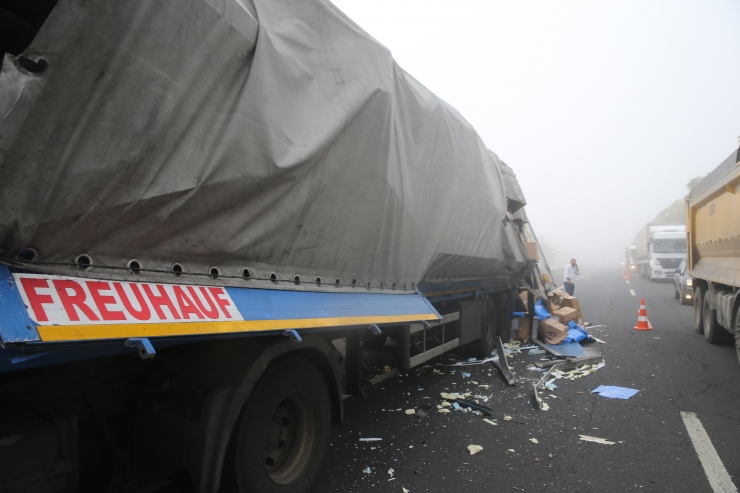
(603, 109)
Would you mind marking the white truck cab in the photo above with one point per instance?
(667, 251)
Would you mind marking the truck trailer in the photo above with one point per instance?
(208, 210)
(660, 248)
(713, 220)
(630, 255)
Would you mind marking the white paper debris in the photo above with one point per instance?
(474, 449)
(587, 438)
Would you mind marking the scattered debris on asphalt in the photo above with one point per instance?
(612, 392)
(587, 438)
(474, 449)
(472, 405)
(423, 410)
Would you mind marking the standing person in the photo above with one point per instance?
(569, 277)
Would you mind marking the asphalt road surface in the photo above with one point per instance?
(673, 368)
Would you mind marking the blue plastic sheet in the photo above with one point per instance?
(518, 314)
(614, 392)
(576, 333)
(540, 310)
(568, 349)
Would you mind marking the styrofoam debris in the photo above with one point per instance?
(474, 449)
(602, 441)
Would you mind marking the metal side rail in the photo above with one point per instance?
(432, 333)
(41, 312)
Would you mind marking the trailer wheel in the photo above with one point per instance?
(698, 316)
(488, 329)
(737, 333)
(281, 437)
(714, 333)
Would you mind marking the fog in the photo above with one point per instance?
(605, 110)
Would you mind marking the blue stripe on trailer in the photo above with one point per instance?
(270, 304)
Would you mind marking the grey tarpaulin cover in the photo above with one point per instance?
(274, 136)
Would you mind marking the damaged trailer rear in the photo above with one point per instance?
(199, 200)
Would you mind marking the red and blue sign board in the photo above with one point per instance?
(45, 308)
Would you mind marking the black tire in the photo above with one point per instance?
(280, 439)
(488, 329)
(676, 294)
(698, 315)
(737, 333)
(714, 333)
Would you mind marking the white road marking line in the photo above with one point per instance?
(627, 282)
(632, 292)
(718, 477)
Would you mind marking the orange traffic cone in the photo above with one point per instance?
(642, 320)
(627, 276)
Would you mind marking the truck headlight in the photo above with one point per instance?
(689, 282)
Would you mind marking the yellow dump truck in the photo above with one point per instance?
(713, 228)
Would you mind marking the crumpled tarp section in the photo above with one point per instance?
(274, 136)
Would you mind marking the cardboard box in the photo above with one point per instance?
(565, 315)
(524, 329)
(524, 297)
(570, 302)
(552, 330)
(532, 251)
